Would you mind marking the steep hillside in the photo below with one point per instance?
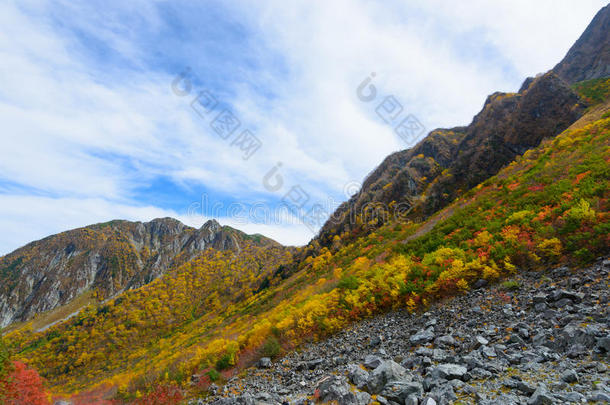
(105, 259)
(155, 326)
(539, 338)
(548, 207)
(417, 182)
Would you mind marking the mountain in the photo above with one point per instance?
(449, 162)
(589, 57)
(415, 183)
(105, 259)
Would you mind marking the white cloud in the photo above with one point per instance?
(28, 218)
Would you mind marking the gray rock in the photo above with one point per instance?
(449, 371)
(603, 344)
(577, 351)
(444, 394)
(541, 397)
(569, 376)
(574, 397)
(334, 388)
(399, 391)
(363, 398)
(264, 362)
(314, 363)
(412, 400)
(371, 361)
(570, 295)
(539, 298)
(423, 336)
(480, 341)
(375, 341)
(488, 352)
(599, 396)
(445, 341)
(357, 375)
(439, 355)
(526, 388)
(386, 372)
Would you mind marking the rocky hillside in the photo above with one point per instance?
(417, 182)
(107, 258)
(540, 338)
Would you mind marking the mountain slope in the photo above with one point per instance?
(487, 211)
(447, 163)
(415, 183)
(107, 258)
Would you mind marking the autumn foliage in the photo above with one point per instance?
(549, 207)
(22, 386)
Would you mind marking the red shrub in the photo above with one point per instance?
(23, 386)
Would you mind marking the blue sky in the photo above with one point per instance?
(93, 130)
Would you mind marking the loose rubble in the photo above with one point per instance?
(545, 343)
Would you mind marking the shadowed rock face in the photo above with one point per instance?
(449, 162)
(109, 258)
(589, 57)
(507, 126)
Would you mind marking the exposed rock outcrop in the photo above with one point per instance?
(589, 57)
(108, 258)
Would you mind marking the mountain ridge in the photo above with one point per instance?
(107, 257)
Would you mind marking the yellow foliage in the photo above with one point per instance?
(511, 268)
(411, 305)
(581, 211)
(462, 285)
(550, 247)
(483, 238)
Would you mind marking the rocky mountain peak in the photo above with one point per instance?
(108, 257)
(589, 57)
(211, 225)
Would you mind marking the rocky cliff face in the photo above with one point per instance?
(589, 57)
(419, 181)
(107, 258)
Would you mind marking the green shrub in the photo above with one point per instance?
(224, 362)
(271, 347)
(348, 283)
(511, 285)
(213, 374)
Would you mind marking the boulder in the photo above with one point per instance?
(423, 336)
(449, 372)
(386, 372)
(399, 391)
